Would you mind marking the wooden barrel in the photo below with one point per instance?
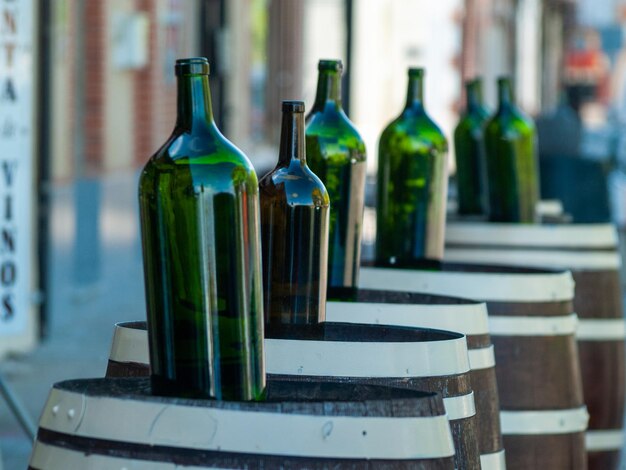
(590, 251)
(416, 358)
(117, 423)
(379, 366)
(532, 327)
(468, 317)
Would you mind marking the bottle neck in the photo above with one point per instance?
(328, 89)
(505, 94)
(194, 102)
(474, 95)
(292, 139)
(415, 92)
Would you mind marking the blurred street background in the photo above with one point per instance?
(106, 102)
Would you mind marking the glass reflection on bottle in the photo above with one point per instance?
(412, 184)
(294, 229)
(199, 209)
(512, 167)
(336, 154)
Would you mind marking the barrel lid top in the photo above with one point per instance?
(358, 333)
(589, 236)
(280, 394)
(395, 297)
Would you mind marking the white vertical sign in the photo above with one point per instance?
(17, 135)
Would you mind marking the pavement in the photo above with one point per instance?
(81, 313)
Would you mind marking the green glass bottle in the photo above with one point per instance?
(512, 167)
(199, 207)
(412, 184)
(294, 230)
(470, 153)
(336, 153)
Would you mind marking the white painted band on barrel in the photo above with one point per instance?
(601, 329)
(604, 440)
(483, 358)
(460, 407)
(493, 461)
(157, 423)
(541, 258)
(366, 359)
(544, 421)
(129, 345)
(44, 457)
(469, 319)
(588, 236)
(505, 287)
(533, 326)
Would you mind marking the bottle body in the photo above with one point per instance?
(200, 235)
(469, 150)
(512, 167)
(411, 187)
(336, 154)
(294, 231)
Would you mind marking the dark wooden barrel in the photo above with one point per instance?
(532, 327)
(385, 307)
(417, 358)
(590, 251)
(129, 357)
(117, 423)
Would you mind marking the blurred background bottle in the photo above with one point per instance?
(199, 209)
(512, 166)
(470, 152)
(412, 184)
(294, 230)
(336, 154)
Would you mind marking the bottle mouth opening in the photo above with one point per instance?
(293, 106)
(328, 65)
(192, 66)
(416, 72)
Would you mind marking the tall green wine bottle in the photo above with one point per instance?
(199, 207)
(512, 168)
(470, 153)
(336, 153)
(294, 230)
(412, 184)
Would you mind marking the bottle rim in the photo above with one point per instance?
(294, 106)
(331, 65)
(416, 71)
(192, 66)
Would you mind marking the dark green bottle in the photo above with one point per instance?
(470, 153)
(336, 153)
(412, 184)
(512, 168)
(199, 207)
(294, 230)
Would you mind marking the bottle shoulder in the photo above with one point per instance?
(415, 130)
(296, 184)
(199, 161)
(200, 148)
(332, 128)
(511, 122)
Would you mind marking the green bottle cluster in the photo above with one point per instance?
(469, 147)
(412, 184)
(512, 163)
(199, 205)
(336, 154)
(497, 167)
(294, 230)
